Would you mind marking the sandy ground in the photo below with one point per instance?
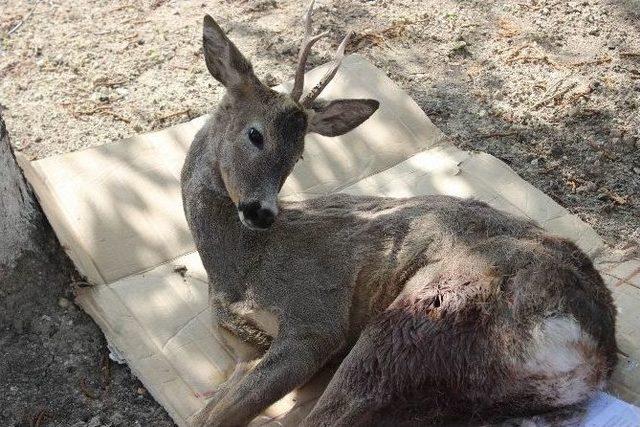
(550, 87)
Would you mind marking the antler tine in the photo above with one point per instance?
(313, 94)
(307, 20)
(305, 49)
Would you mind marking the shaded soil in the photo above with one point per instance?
(551, 87)
(54, 365)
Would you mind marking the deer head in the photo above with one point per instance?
(263, 130)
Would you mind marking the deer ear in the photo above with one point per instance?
(223, 59)
(338, 117)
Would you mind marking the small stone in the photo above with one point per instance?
(535, 162)
(458, 46)
(122, 91)
(270, 80)
(636, 170)
(141, 391)
(63, 302)
(43, 326)
(94, 422)
(557, 151)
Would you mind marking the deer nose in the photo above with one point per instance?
(255, 215)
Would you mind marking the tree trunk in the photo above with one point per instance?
(48, 346)
(20, 216)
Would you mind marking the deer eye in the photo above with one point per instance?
(255, 137)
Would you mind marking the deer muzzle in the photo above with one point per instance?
(257, 215)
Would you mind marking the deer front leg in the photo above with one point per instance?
(293, 358)
(243, 340)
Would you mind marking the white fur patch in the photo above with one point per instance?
(553, 346)
(557, 358)
(265, 320)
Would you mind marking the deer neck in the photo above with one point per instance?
(211, 213)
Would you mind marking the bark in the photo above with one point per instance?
(20, 216)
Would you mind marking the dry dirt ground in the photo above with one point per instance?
(552, 87)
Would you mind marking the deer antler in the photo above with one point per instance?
(313, 94)
(307, 43)
(305, 48)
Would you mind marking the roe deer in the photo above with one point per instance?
(442, 309)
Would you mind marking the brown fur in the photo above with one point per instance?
(446, 309)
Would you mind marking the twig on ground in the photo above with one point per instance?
(517, 50)
(629, 54)
(580, 94)
(616, 198)
(134, 22)
(105, 371)
(515, 56)
(507, 28)
(588, 62)
(81, 284)
(105, 82)
(557, 94)
(126, 6)
(543, 58)
(393, 31)
(23, 20)
(130, 37)
(157, 3)
(177, 113)
(39, 418)
(100, 109)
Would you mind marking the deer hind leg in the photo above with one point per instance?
(420, 364)
(348, 399)
(387, 374)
